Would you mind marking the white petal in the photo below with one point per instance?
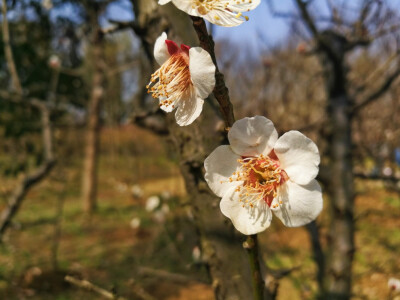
(243, 6)
(187, 7)
(298, 155)
(252, 136)
(170, 107)
(221, 15)
(301, 204)
(223, 18)
(188, 110)
(202, 71)
(162, 2)
(245, 219)
(160, 49)
(220, 165)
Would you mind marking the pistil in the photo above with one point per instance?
(261, 176)
(171, 81)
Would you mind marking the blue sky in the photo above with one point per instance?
(275, 29)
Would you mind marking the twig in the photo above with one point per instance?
(251, 246)
(377, 72)
(8, 52)
(86, 285)
(140, 292)
(379, 92)
(221, 92)
(165, 275)
(30, 180)
(377, 177)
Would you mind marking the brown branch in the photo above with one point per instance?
(379, 91)
(87, 285)
(16, 83)
(376, 177)
(30, 180)
(168, 276)
(154, 121)
(377, 72)
(251, 246)
(221, 92)
(307, 18)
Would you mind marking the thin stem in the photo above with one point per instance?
(251, 246)
(16, 84)
(84, 284)
(220, 92)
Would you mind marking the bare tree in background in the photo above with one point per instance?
(98, 81)
(43, 107)
(349, 29)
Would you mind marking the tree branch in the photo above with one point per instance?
(86, 285)
(167, 276)
(221, 92)
(308, 19)
(30, 180)
(376, 177)
(377, 72)
(251, 246)
(16, 83)
(379, 91)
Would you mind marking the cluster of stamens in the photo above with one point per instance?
(204, 6)
(261, 176)
(171, 81)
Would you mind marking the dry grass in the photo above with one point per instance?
(106, 250)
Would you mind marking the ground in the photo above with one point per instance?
(51, 237)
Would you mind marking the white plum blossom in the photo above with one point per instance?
(165, 208)
(136, 191)
(54, 61)
(152, 203)
(186, 77)
(47, 4)
(226, 13)
(394, 284)
(196, 254)
(135, 223)
(258, 174)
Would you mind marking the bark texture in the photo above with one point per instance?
(221, 246)
(340, 185)
(332, 48)
(89, 179)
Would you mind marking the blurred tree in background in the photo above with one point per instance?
(83, 106)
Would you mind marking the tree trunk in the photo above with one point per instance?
(341, 234)
(222, 249)
(340, 182)
(89, 180)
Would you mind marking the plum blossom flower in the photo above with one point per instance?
(152, 203)
(185, 78)
(135, 223)
(226, 13)
(258, 174)
(394, 284)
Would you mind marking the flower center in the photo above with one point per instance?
(262, 175)
(172, 80)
